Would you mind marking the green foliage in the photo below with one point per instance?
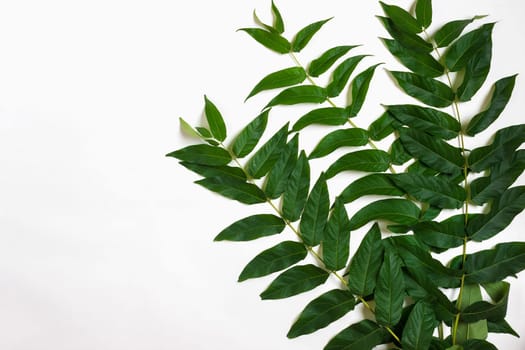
(422, 196)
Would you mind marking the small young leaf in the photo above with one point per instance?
(451, 31)
(476, 72)
(427, 90)
(359, 89)
(278, 23)
(205, 133)
(215, 120)
(277, 258)
(364, 335)
(371, 160)
(418, 330)
(233, 188)
(408, 40)
(252, 227)
(188, 129)
(262, 161)
(295, 280)
(323, 116)
(378, 184)
(315, 213)
(248, 138)
(399, 211)
(282, 78)
(462, 50)
(365, 264)
(270, 40)
(390, 290)
(322, 311)
(277, 178)
(202, 154)
(446, 234)
(299, 94)
(341, 75)
(424, 13)
(401, 18)
(418, 62)
(382, 127)
(302, 38)
(327, 59)
(500, 97)
(336, 243)
(337, 139)
(211, 171)
(296, 193)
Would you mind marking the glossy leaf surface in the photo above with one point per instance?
(299, 94)
(401, 18)
(390, 290)
(424, 13)
(215, 120)
(322, 116)
(378, 184)
(337, 139)
(364, 335)
(462, 50)
(327, 59)
(233, 188)
(304, 36)
(418, 330)
(341, 75)
(315, 214)
(427, 90)
(359, 89)
(399, 211)
(418, 62)
(270, 40)
(295, 280)
(336, 240)
(277, 178)
(283, 78)
(266, 156)
(296, 193)
(370, 160)
(248, 138)
(251, 228)
(202, 154)
(450, 31)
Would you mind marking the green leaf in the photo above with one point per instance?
(211, 171)
(451, 31)
(315, 214)
(337, 139)
(277, 178)
(327, 59)
(299, 94)
(341, 75)
(478, 344)
(336, 242)
(476, 72)
(205, 133)
(462, 50)
(506, 141)
(304, 36)
(188, 129)
(424, 13)
(322, 311)
(418, 330)
(382, 127)
(433, 152)
(401, 18)
(262, 161)
(427, 90)
(365, 264)
(409, 40)
(501, 326)
(296, 193)
(399, 211)
(323, 116)
(429, 120)
(215, 120)
(436, 191)
(390, 290)
(248, 138)
(283, 78)
(446, 234)
(202, 154)
(370, 160)
(278, 23)
(502, 212)
(398, 154)
(500, 97)
(276, 258)
(359, 89)
(469, 328)
(295, 280)
(418, 62)
(481, 311)
(270, 40)
(252, 227)
(364, 335)
(378, 184)
(233, 188)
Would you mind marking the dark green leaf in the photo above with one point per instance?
(390, 290)
(501, 326)
(302, 38)
(299, 94)
(418, 62)
(248, 138)
(278, 23)
(365, 264)
(205, 133)
(409, 40)
(336, 243)
(202, 154)
(369, 160)
(449, 233)
(429, 120)
(470, 328)
(427, 90)
(364, 335)
(379, 184)
(382, 127)
(418, 330)
(341, 75)
(252, 227)
(399, 211)
(476, 72)
(323, 116)
(433, 152)
(211, 171)
(478, 344)
(424, 12)
(327, 59)
(337, 139)
(315, 213)
(451, 31)
(419, 168)
(500, 97)
(481, 311)
(283, 78)
(462, 50)
(262, 161)
(359, 89)
(398, 154)
(277, 178)
(215, 120)
(295, 280)
(233, 188)
(296, 193)
(401, 18)
(322, 311)
(277, 258)
(270, 40)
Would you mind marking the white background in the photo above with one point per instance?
(107, 244)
